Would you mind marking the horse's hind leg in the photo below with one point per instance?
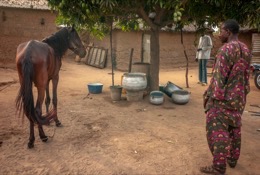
(38, 109)
(42, 135)
(40, 98)
(55, 100)
(47, 99)
(32, 138)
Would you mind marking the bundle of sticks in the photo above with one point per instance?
(255, 113)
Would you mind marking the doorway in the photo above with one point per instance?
(146, 48)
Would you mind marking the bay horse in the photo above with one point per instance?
(37, 63)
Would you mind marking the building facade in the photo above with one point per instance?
(23, 22)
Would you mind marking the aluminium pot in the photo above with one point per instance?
(170, 87)
(180, 96)
(156, 97)
(134, 81)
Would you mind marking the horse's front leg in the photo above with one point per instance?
(47, 99)
(55, 100)
(31, 138)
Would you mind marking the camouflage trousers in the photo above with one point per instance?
(224, 141)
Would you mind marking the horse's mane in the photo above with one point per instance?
(59, 42)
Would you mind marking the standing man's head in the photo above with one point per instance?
(229, 31)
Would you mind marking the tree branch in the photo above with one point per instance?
(145, 17)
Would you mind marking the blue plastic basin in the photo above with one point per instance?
(95, 88)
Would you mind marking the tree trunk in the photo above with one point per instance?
(155, 59)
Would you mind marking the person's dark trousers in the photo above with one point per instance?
(203, 70)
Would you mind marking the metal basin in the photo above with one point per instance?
(170, 87)
(180, 97)
(156, 97)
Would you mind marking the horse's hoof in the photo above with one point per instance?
(58, 124)
(30, 145)
(44, 139)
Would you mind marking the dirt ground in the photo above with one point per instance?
(103, 137)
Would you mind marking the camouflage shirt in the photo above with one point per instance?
(229, 84)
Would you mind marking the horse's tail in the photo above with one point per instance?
(25, 99)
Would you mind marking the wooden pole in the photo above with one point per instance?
(111, 48)
(187, 61)
(130, 60)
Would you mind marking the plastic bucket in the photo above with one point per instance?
(115, 92)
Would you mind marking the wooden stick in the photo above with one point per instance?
(255, 106)
(255, 112)
(130, 60)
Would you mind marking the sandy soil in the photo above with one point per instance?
(103, 137)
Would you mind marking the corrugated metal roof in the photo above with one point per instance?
(28, 4)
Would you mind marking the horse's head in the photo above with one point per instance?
(75, 43)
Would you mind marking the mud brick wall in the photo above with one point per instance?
(19, 25)
(171, 49)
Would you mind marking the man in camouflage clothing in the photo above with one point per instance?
(225, 99)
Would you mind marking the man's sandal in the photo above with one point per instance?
(232, 163)
(212, 170)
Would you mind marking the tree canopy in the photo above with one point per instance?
(95, 15)
(92, 14)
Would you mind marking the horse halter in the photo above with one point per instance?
(75, 43)
(72, 45)
(74, 48)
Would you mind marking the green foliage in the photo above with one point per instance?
(92, 14)
(128, 25)
(96, 16)
(89, 14)
(215, 11)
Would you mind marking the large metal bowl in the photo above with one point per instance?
(169, 88)
(180, 96)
